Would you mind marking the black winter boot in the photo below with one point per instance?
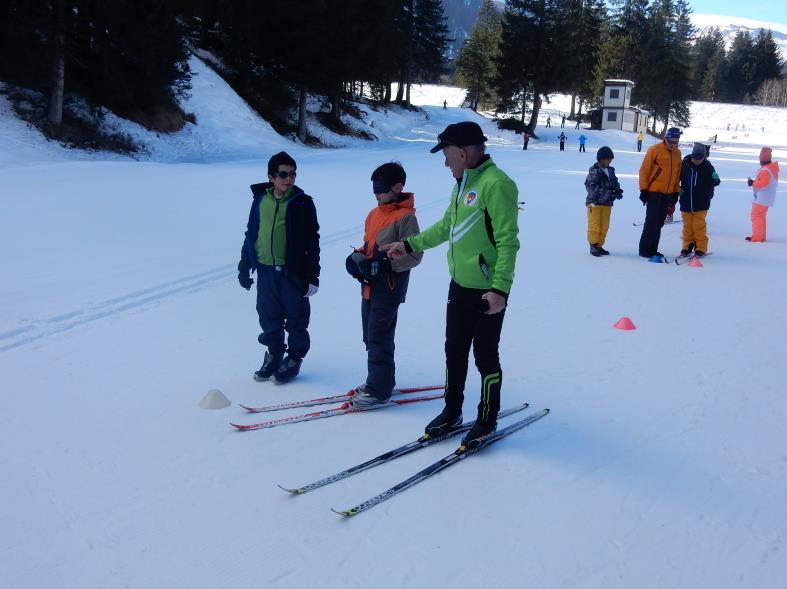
(595, 250)
(269, 366)
(289, 369)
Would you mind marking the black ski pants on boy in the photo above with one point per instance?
(467, 325)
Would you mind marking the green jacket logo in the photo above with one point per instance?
(470, 198)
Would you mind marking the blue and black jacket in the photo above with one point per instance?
(696, 185)
(302, 260)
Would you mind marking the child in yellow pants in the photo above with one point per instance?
(603, 190)
(698, 179)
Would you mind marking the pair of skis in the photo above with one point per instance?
(427, 472)
(682, 259)
(397, 398)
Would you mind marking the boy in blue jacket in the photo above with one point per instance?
(282, 245)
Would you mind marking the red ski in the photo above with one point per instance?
(334, 399)
(342, 409)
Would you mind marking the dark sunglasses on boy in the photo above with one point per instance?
(380, 186)
(284, 175)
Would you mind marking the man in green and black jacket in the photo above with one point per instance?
(480, 226)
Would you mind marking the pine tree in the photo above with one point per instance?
(767, 61)
(476, 69)
(740, 61)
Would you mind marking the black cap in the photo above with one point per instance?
(459, 134)
(604, 153)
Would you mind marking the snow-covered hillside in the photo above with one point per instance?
(662, 463)
(732, 25)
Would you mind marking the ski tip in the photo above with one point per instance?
(238, 426)
(291, 491)
(346, 513)
(246, 407)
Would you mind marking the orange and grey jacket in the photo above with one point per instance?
(765, 184)
(660, 170)
(386, 224)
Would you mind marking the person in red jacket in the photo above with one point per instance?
(384, 281)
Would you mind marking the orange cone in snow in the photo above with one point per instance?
(695, 263)
(625, 324)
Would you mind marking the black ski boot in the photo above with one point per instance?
(442, 423)
(289, 369)
(595, 250)
(269, 366)
(477, 434)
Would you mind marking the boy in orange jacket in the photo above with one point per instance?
(384, 281)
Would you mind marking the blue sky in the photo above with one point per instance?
(767, 10)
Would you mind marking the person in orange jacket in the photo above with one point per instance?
(384, 281)
(659, 185)
(764, 186)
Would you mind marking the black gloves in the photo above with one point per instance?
(749, 181)
(352, 266)
(618, 192)
(643, 196)
(245, 280)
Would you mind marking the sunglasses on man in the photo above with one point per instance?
(283, 175)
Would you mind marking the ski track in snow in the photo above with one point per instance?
(38, 329)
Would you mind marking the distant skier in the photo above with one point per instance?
(640, 138)
(445, 105)
(563, 122)
(383, 280)
(282, 244)
(764, 186)
(562, 139)
(481, 227)
(579, 120)
(526, 138)
(603, 190)
(698, 178)
(582, 140)
(659, 183)
(549, 122)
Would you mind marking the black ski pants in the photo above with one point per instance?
(379, 328)
(655, 212)
(467, 325)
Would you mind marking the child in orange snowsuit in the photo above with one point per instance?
(764, 186)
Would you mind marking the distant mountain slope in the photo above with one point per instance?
(731, 25)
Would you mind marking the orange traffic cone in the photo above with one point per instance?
(695, 263)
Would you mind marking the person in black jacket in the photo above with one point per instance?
(698, 178)
(603, 190)
(282, 245)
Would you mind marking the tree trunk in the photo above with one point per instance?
(531, 126)
(579, 112)
(57, 82)
(573, 104)
(400, 89)
(387, 97)
(302, 115)
(336, 106)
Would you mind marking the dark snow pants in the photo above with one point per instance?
(282, 307)
(655, 213)
(465, 324)
(378, 316)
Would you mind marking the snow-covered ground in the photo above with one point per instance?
(663, 463)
